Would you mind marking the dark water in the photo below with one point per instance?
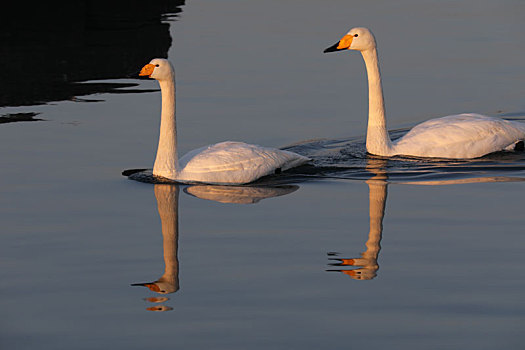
(353, 251)
(53, 50)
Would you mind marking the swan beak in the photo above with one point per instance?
(147, 70)
(343, 44)
(151, 286)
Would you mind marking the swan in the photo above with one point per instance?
(225, 163)
(461, 136)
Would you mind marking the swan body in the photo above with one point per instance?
(234, 163)
(459, 136)
(225, 163)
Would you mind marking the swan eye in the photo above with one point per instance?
(356, 35)
(157, 65)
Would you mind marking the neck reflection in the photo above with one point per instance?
(168, 207)
(367, 264)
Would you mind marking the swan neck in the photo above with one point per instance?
(377, 140)
(166, 162)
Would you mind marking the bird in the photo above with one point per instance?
(224, 163)
(461, 136)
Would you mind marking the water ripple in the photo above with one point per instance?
(347, 159)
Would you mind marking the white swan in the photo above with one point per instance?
(225, 163)
(456, 136)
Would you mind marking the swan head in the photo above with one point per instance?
(359, 38)
(158, 68)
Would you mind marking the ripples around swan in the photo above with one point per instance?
(346, 159)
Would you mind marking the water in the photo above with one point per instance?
(441, 242)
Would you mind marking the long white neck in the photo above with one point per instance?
(377, 140)
(167, 161)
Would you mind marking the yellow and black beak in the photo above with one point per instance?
(342, 44)
(147, 70)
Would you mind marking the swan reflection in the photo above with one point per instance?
(159, 308)
(167, 196)
(466, 181)
(168, 207)
(238, 194)
(367, 264)
(157, 299)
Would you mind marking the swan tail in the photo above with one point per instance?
(518, 146)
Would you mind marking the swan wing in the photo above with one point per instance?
(460, 136)
(235, 163)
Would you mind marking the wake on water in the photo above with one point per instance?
(347, 159)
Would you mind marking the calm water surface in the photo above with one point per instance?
(357, 252)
